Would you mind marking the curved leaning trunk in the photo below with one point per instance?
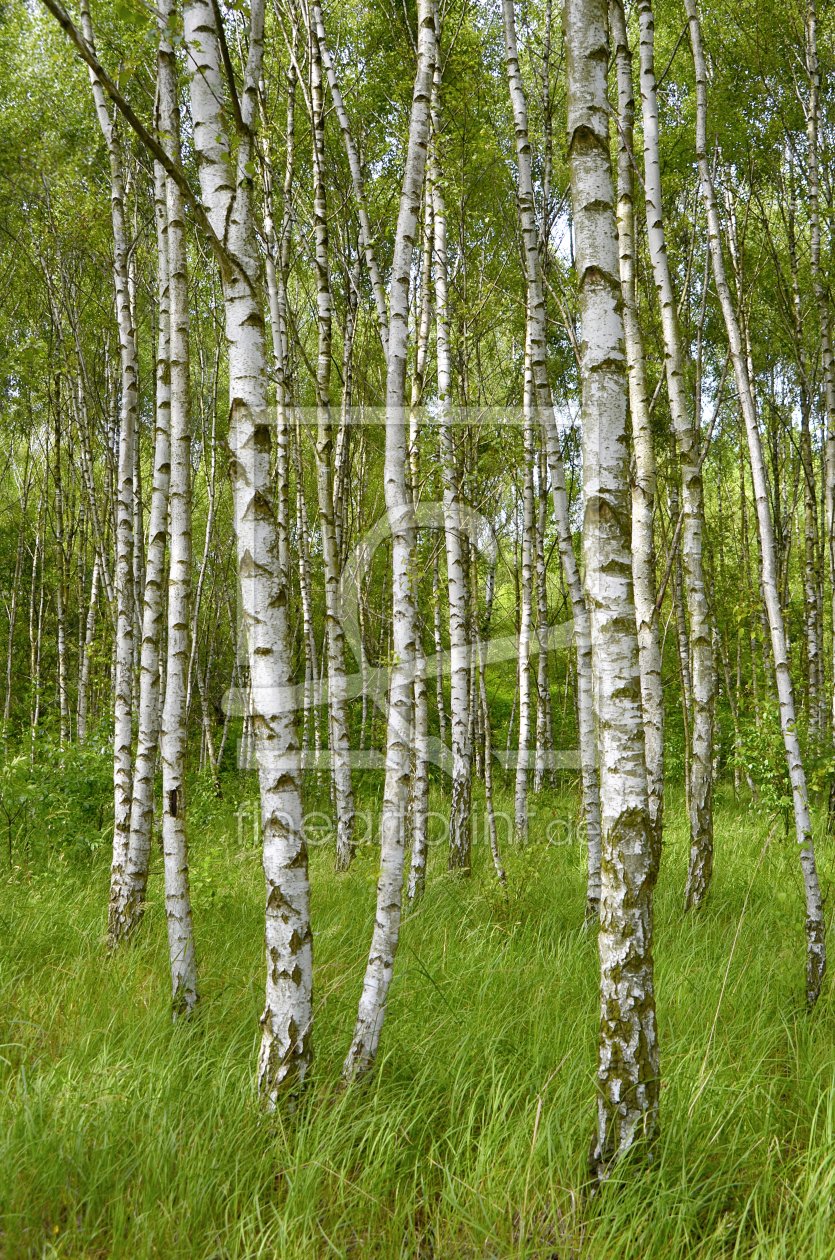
(643, 487)
(627, 1072)
(386, 933)
(285, 1052)
(815, 926)
(539, 365)
(704, 679)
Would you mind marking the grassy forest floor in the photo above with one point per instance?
(121, 1135)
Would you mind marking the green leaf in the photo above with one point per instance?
(128, 13)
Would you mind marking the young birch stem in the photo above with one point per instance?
(122, 731)
(380, 968)
(704, 678)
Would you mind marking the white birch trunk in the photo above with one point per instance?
(815, 926)
(194, 671)
(439, 649)
(481, 650)
(372, 1005)
(419, 795)
(544, 761)
(126, 914)
(643, 486)
(36, 623)
(61, 586)
(525, 614)
(83, 708)
(86, 461)
(339, 727)
(627, 1073)
(820, 291)
(123, 578)
(537, 318)
(173, 730)
(704, 678)
(312, 693)
(15, 596)
(460, 832)
(227, 193)
(812, 586)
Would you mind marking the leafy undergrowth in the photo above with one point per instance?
(122, 1135)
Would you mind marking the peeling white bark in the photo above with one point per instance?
(627, 1072)
(285, 1052)
(173, 729)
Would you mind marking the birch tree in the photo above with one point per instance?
(380, 967)
(643, 486)
(627, 1073)
(419, 795)
(460, 834)
(60, 589)
(132, 893)
(226, 188)
(820, 291)
(526, 610)
(173, 733)
(122, 732)
(700, 868)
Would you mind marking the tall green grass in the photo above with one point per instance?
(124, 1136)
